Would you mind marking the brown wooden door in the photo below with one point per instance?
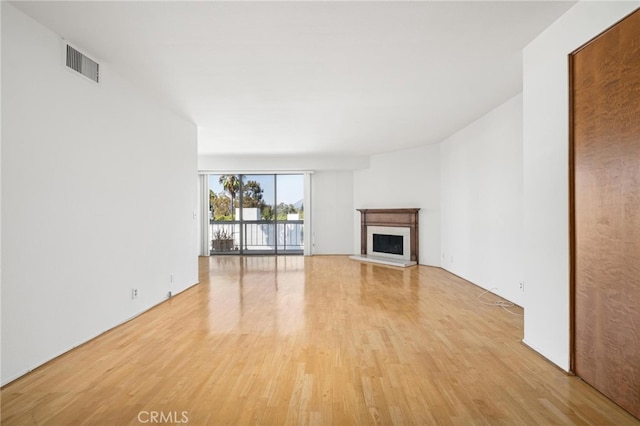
(605, 94)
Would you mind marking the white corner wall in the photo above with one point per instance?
(481, 201)
(99, 188)
(546, 174)
(408, 178)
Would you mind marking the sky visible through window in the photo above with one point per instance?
(290, 187)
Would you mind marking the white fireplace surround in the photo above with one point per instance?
(403, 232)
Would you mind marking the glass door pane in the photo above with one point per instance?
(224, 193)
(258, 214)
(290, 213)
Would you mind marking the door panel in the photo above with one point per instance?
(290, 213)
(606, 194)
(258, 220)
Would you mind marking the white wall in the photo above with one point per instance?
(332, 212)
(481, 201)
(99, 187)
(408, 178)
(545, 166)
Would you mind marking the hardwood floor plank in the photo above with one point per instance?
(319, 340)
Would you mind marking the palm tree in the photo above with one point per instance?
(231, 184)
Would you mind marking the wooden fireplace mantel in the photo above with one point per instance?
(390, 217)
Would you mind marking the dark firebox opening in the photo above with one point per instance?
(391, 244)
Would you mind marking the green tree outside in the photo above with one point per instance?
(231, 184)
(223, 206)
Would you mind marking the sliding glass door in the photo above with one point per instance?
(256, 214)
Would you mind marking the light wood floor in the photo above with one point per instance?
(317, 340)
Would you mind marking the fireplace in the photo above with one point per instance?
(389, 236)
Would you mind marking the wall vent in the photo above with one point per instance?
(81, 63)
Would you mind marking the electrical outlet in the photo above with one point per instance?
(171, 278)
(134, 293)
(522, 285)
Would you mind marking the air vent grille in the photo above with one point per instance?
(82, 64)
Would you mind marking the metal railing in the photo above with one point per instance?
(258, 235)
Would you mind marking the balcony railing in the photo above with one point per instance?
(259, 235)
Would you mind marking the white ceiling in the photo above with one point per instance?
(311, 78)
